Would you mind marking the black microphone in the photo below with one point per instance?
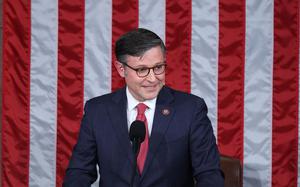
(137, 134)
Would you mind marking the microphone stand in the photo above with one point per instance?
(136, 135)
(136, 149)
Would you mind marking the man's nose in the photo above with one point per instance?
(151, 76)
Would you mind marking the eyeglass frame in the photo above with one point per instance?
(137, 69)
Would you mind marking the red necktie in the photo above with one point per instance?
(141, 107)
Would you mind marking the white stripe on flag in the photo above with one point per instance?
(204, 57)
(43, 93)
(97, 48)
(258, 94)
(152, 15)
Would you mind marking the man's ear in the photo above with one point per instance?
(120, 68)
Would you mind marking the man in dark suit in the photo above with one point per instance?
(179, 148)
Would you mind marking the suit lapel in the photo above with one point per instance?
(118, 115)
(162, 116)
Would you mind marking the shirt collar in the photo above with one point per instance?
(132, 102)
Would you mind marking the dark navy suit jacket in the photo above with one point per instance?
(182, 147)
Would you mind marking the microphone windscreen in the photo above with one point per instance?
(137, 130)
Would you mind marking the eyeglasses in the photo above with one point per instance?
(144, 71)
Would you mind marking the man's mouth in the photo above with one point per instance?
(152, 87)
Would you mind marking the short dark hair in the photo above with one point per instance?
(136, 42)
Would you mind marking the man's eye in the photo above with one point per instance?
(142, 70)
(158, 67)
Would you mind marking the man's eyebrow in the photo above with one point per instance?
(144, 66)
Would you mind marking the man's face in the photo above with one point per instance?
(148, 87)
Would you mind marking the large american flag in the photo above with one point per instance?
(241, 56)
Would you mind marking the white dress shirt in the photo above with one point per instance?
(132, 110)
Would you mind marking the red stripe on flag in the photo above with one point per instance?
(178, 43)
(70, 80)
(231, 77)
(285, 93)
(16, 93)
(125, 17)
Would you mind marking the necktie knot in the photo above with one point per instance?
(141, 108)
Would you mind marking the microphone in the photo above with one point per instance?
(137, 134)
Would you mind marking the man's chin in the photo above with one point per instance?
(149, 96)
